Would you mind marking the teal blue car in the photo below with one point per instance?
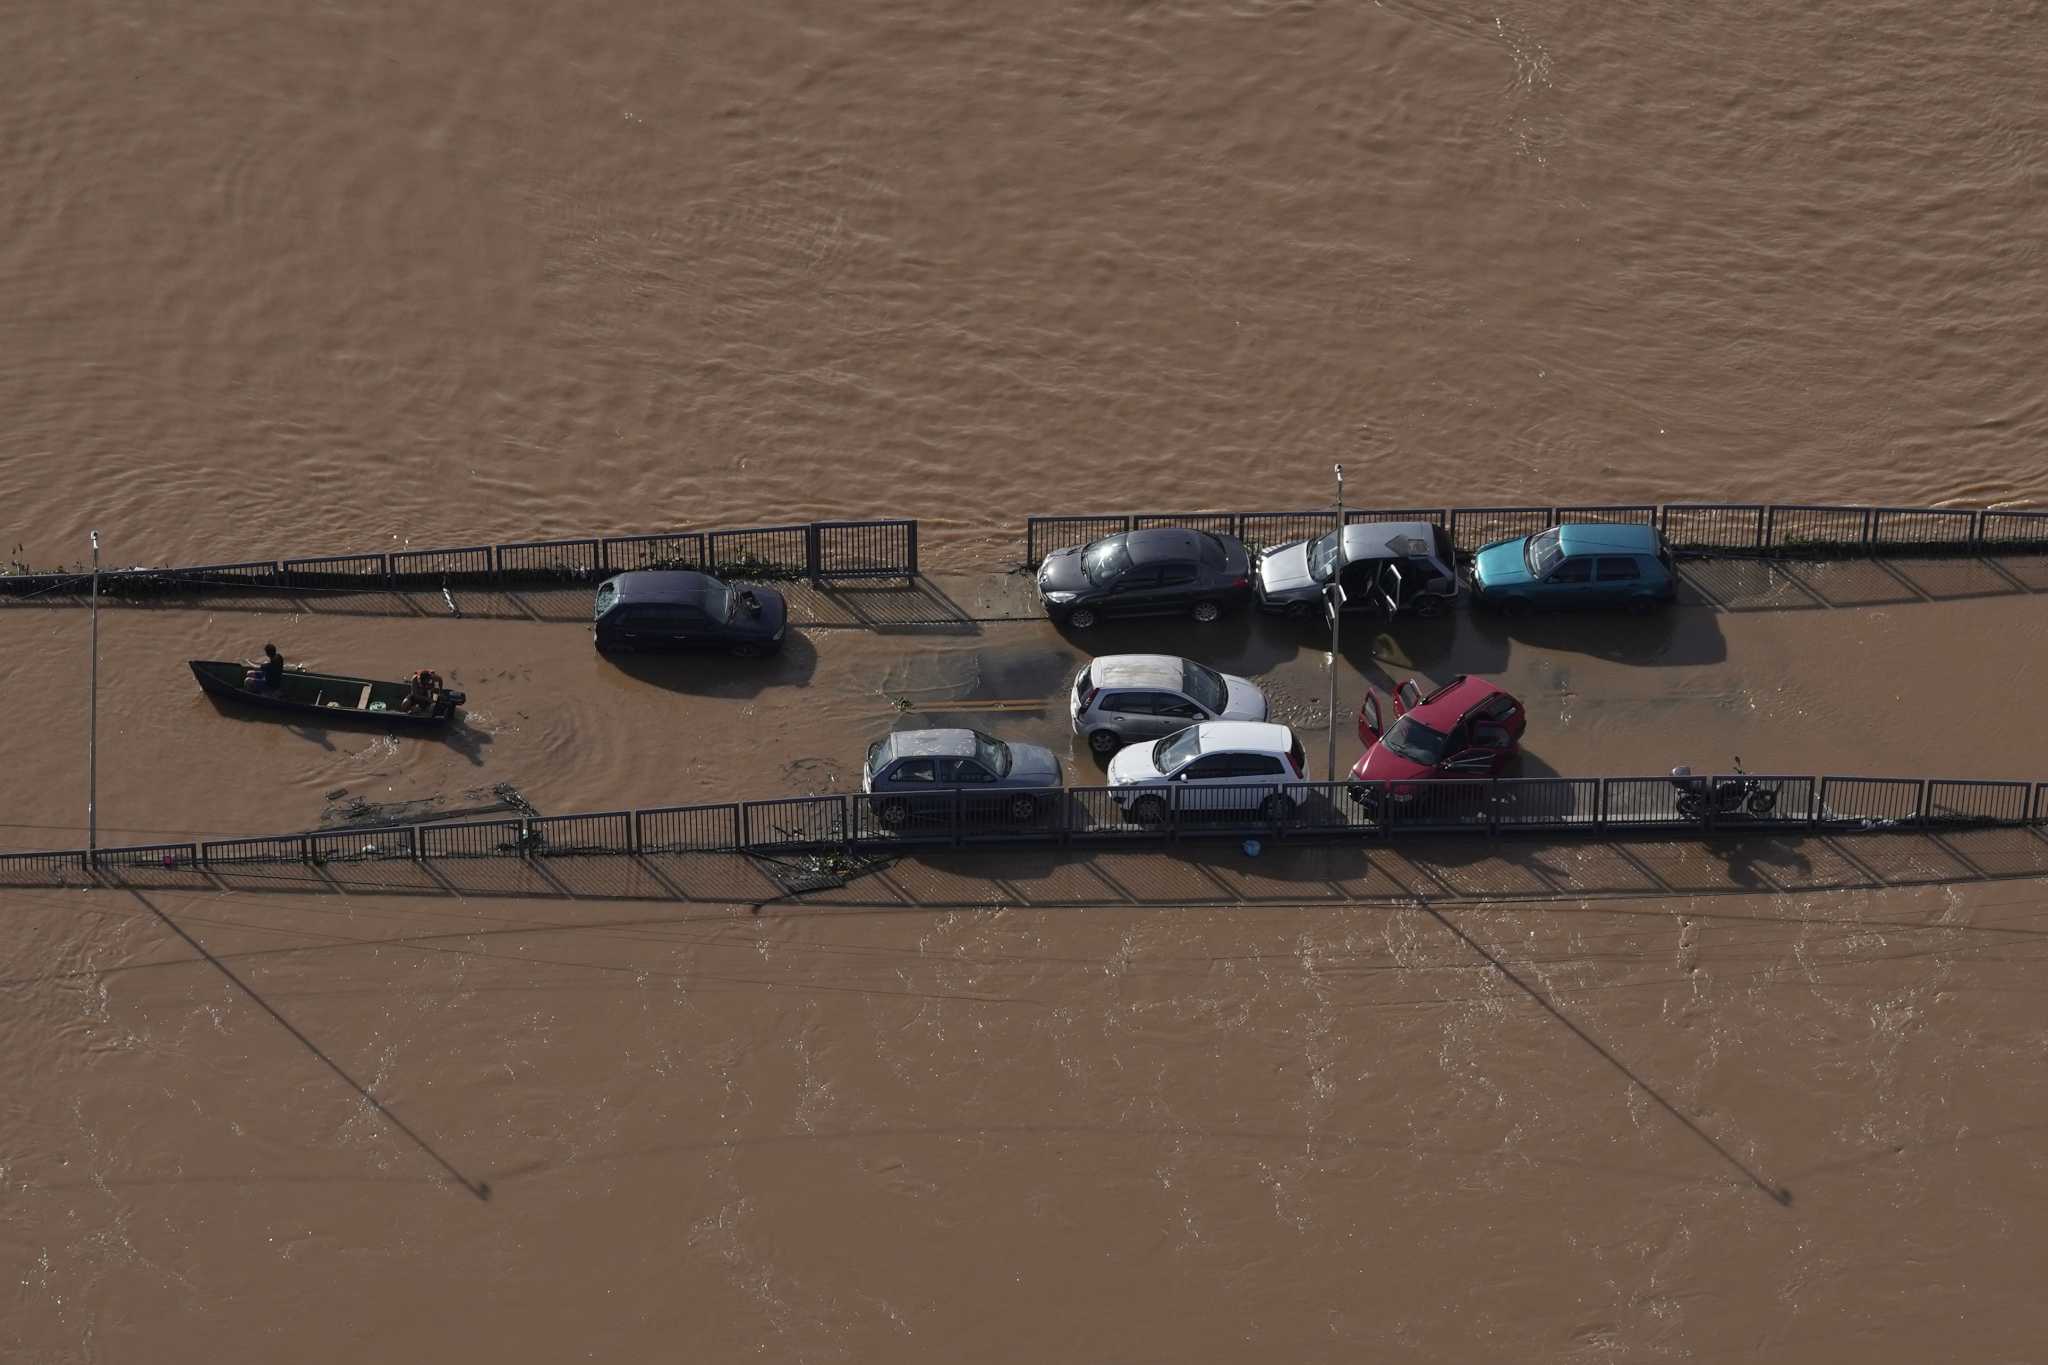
(1576, 565)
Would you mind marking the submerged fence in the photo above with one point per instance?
(821, 551)
(1081, 815)
(1789, 530)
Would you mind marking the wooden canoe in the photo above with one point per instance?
(329, 696)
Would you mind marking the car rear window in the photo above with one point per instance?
(607, 594)
(1212, 551)
(1082, 683)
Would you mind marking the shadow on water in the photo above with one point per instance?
(457, 734)
(708, 673)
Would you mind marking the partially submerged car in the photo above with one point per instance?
(1119, 699)
(1467, 728)
(1577, 564)
(663, 609)
(1383, 566)
(1223, 766)
(1162, 571)
(914, 772)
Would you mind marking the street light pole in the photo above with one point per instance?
(1333, 604)
(92, 722)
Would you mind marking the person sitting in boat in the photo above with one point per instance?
(421, 690)
(267, 676)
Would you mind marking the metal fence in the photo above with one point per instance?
(820, 551)
(1727, 804)
(1788, 530)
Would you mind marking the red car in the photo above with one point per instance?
(1466, 728)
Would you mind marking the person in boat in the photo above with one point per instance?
(421, 691)
(267, 676)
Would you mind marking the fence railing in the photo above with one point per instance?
(1744, 803)
(821, 551)
(1787, 530)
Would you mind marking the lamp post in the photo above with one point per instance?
(92, 722)
(1333, 607)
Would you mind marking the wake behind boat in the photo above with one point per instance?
(333, 695)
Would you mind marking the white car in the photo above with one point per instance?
(1220, 765)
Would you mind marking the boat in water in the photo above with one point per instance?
(327, 695)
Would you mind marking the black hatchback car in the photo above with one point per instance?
(658, 609)
(1156, 572)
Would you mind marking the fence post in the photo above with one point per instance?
(913, 548)
(812, 558)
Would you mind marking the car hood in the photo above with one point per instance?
(1132, 764)
(1062, 572)
(1032, 765)
(1284, 569)
(1501, 564)
(1381, 764)
(1245, 702)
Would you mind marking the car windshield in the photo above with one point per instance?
(1205, 685)
(1543, 553)
(1416, 742)
(1325, 555)
(1176, 749)
(993, 753)
(722, 605)
(1105, 561)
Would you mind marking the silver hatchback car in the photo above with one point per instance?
(1121, 699)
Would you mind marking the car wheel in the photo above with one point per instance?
(1080, 618)
(1023, 809)
(893, 813)
(1149, 810)
(1206, 612)
(1105, 741)
(1761, 802)
(1690, 806)
(746, 649)
(1277, 809)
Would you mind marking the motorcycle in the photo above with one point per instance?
(1741, 794)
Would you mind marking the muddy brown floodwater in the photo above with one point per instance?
(358, 277)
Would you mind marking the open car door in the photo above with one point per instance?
(1390, 587)
(1370, 727)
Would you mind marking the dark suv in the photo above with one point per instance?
(653, 609)
(1157, 572)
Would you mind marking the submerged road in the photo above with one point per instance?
(1855, 668)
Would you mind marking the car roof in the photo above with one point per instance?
(1138, 670)
(1385, 539)
(668, 586)
(1257, 736)
(1444, 707)
(942, 743)
(1161, 544)
(1592, 538)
